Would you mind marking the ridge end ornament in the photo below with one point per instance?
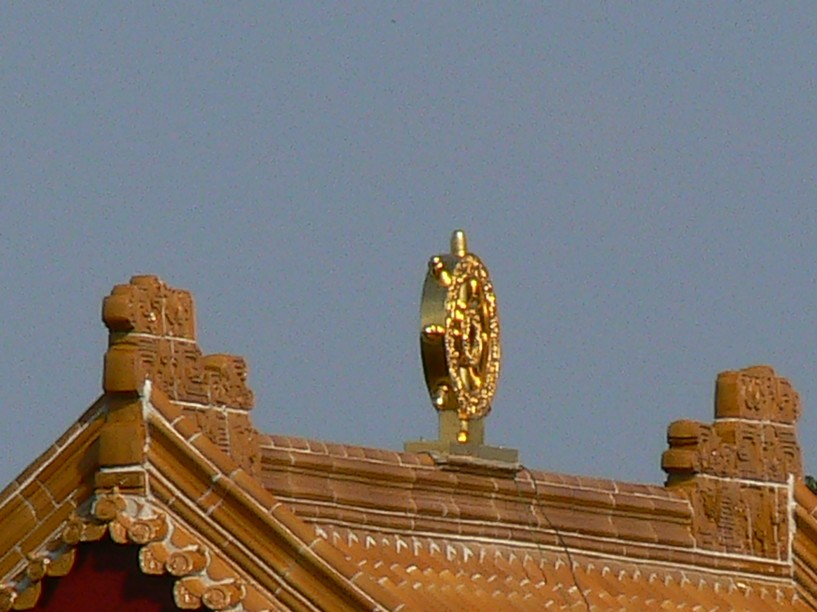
(460, 341)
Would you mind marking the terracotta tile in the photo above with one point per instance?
(475, 509)
(17, 519)
(308, 512)
(629, 488)
(627, 503)
(312, 461)
(436, 479)
(27, 599)
(213, 454)
(517, 509)
(629, 528)
(276, 441)
(251, 486)
(186, 427)
(30, 471)
(334, 449)
(513, 489)
(208, 500)
(440, 504)
(39, 498)
(379, 454)
(374, 472)
(241, 530)
(276, 482)
(308, 487)
(673, 534)
(131, 482)
(597, 484)
(256, 600)
(10, 561)
(677, 509)
(594, 500)
(415, 459)
(383, 499)
(495, 531)
(566, 519)
(91, 420)
(567, 480)
(74, 463)
(609, 547)
(317, 446)
(356, 452)
(189, 475)
(474, 484)
(276, 460)
(806, 550)
(165, 406)
(804, 497)
(346, 466)
(346, 515)
(298, 444)
(46, 528)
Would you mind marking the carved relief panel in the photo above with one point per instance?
(735, 472)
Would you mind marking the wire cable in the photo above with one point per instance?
(537, 504)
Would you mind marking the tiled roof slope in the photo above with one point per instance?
(465, 534)
(168, 460)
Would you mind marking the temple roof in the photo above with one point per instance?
(168, 461)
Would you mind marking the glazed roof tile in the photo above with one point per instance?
(459, 539)
(350, 485)
(168, 460)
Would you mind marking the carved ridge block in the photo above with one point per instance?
(756, 393)
(735, 471)
(226, 379)
(752, 437)
(148, 306)
(152, 336)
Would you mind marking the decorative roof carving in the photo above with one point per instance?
(736, 471)
(165, 547)
(293, 523)
(153, 336)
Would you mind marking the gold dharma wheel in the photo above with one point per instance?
(459, 334)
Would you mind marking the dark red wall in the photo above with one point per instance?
(106, 578)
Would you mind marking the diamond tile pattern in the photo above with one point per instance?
(431, 573)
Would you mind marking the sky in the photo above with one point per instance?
(638, 178)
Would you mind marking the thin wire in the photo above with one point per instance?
(537, 504)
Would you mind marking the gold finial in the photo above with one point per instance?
(462, 436)
(459, 340)
(459, 243)
(436, 266)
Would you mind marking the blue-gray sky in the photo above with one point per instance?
(639, 179)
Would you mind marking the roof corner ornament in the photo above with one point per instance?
(459, 341)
